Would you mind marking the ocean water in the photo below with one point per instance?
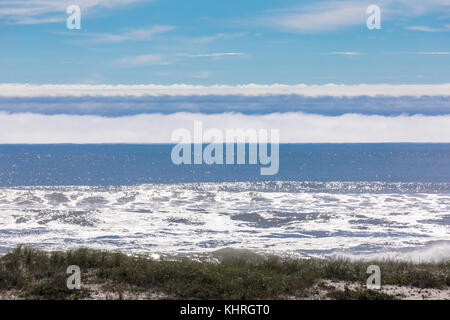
(353, 200)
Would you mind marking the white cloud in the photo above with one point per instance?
(212, 55)
(345, 53)
(439, 53)
(215, 37)
(157, 59)
(446, 28)
(27, 20)
(334, 90)
(322, 16)
(157, 128)
(49, 11)
(332, 15)
(140, 34)
(146, 59)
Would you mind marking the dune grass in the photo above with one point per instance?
(42, 275)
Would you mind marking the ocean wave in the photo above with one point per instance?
(284, 218)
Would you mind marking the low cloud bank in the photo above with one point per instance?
(334, 90)
(157, 128)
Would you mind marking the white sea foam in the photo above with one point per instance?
(193, 218)
(432, 252)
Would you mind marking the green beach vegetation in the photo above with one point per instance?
(29, 273)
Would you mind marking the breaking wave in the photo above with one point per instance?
(408, 221)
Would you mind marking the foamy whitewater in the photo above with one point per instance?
(362, 220)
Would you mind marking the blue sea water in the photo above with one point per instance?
(353, 200)
(122, 164)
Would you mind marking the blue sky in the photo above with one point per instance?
(140, 69)
(225, 42)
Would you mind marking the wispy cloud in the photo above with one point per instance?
(50, 11)
(145, 60)
(345, 53)
(212, 55)
(333, 15)
(435, 53)
(321, 16)
(445, 28)
(26, 20)
(159, 59)
(214, 37)
(140, 34)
